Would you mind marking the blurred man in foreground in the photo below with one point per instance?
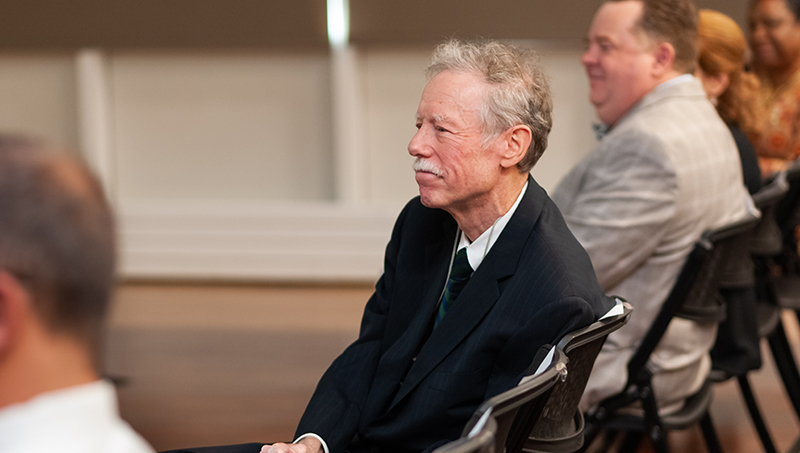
(56, 277)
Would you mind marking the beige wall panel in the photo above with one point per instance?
(243, 126)
(37, 96)
(394, 81)
(572, 136)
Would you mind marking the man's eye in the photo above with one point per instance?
(441, 129)
(419, 125)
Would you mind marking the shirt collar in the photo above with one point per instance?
(601, 130)
(480, 247)
(683, 78)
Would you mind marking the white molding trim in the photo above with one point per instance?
(95, 116)
(348, 134)
(253, 241)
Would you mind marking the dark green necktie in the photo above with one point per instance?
(459, 276)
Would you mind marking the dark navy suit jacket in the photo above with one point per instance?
(535, 285)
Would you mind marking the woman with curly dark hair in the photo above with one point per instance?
(775, 40)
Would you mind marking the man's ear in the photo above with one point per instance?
(516, 141)
(664, 59)
(14, 307)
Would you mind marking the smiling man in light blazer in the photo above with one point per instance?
(665, 170)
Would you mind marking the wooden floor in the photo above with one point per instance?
(212, 365)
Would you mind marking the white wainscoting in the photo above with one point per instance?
(253, 241)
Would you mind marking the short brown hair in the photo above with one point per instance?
(57, 237)
(673, 21)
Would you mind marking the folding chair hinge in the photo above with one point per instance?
(562, 371)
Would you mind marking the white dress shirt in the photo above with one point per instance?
(479, 248)
(79, 419)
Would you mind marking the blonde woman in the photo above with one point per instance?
(722, 49)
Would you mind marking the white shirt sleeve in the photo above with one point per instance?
(315, 436)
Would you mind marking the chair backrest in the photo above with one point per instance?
(695, 293)
(581, 348)
(788, 212)
(483, 441)
(767, 238)
(736, 349)
(526, 400)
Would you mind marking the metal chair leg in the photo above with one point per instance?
(710, 434)
(787, 368)
(592, 429)
(655, 430)
(755, 414)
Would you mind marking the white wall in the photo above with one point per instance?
(393, 83)
(214, 126)
(224, 164)
(572, 136)
(37, 96)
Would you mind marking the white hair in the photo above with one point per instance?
(519, 93)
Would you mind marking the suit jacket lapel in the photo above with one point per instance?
(481, 292)
(395, 361)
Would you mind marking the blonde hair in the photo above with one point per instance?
(722, 50)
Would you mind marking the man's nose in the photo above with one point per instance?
(416, 146)
(588, 57)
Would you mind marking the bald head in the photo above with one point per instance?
(56, 237)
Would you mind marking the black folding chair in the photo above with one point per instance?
(480, 442)
(517, 410)
(694, 296)
(775, 245)
(783, 291)
(560, 427)
(753, 312)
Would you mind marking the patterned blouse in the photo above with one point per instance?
(779, 140)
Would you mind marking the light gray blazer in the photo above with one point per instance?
(668, 171)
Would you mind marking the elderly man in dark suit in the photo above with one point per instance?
(426, 359)
(480, 272)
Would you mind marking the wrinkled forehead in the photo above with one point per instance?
(451, 96)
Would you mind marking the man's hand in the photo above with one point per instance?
(306, 445)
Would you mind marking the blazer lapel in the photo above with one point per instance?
(481, 292)
(395, 361)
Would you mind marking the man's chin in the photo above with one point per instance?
(427, 200)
